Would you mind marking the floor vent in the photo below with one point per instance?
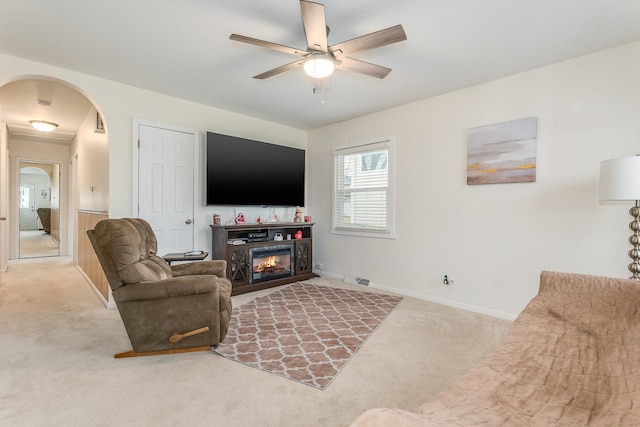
(357, 280)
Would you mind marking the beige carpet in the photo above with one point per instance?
(57, 368)
(35, 243)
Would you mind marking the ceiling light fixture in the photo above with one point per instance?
(43, 126)
(318, 65)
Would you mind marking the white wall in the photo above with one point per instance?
(493, 240)
(119, 104)
(92, 150)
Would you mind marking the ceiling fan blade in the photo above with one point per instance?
(279, 70)
(268, 45)
(362, 67)
(315, 25)
(369, 41)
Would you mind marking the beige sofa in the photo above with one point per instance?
(571, 358)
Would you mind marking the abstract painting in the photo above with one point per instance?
(502, 152)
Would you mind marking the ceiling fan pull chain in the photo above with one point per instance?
(319, 86)
(322, 100)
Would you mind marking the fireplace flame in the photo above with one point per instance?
(268, 263)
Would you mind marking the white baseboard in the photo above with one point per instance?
(431, 298)
(93, 287)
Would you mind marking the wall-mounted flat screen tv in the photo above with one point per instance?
(253, 173)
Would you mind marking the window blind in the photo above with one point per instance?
(363, 188)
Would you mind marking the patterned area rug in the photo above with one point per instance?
(304, 332)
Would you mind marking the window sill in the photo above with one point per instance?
(363, 233)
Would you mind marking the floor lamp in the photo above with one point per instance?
(620, 180)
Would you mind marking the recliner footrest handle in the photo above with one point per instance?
(177, 337)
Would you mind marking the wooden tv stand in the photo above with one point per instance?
(250, 236)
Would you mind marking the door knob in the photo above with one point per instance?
(188, 221)
(2, 218)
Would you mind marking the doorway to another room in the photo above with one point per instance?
(41, 202)
(39, 209)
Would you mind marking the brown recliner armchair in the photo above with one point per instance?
(165, 309)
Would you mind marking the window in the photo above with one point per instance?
(363, 189)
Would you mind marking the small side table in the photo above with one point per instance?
(180, 256)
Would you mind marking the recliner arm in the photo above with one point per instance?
(215, 267)
(167, 288)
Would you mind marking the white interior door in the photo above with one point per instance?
(27, 207)
(166, 186)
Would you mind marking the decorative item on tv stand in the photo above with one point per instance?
(298, 216)
(274, 219)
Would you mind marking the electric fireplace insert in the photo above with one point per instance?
(271, 262)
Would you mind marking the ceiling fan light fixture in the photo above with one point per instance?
(319, 66)
(43, 126)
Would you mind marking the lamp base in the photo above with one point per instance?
(634, 253)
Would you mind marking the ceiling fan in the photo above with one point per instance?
(319, 59)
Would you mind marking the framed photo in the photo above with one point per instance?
(503, 152)
(99, 124)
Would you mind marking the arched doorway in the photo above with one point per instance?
(78, 124)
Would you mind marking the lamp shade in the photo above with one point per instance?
(620, 179)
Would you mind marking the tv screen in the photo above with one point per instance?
(247, 172)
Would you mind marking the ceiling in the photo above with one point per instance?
(19, 100)
(182, 48)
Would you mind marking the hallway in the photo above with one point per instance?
(36, 244)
